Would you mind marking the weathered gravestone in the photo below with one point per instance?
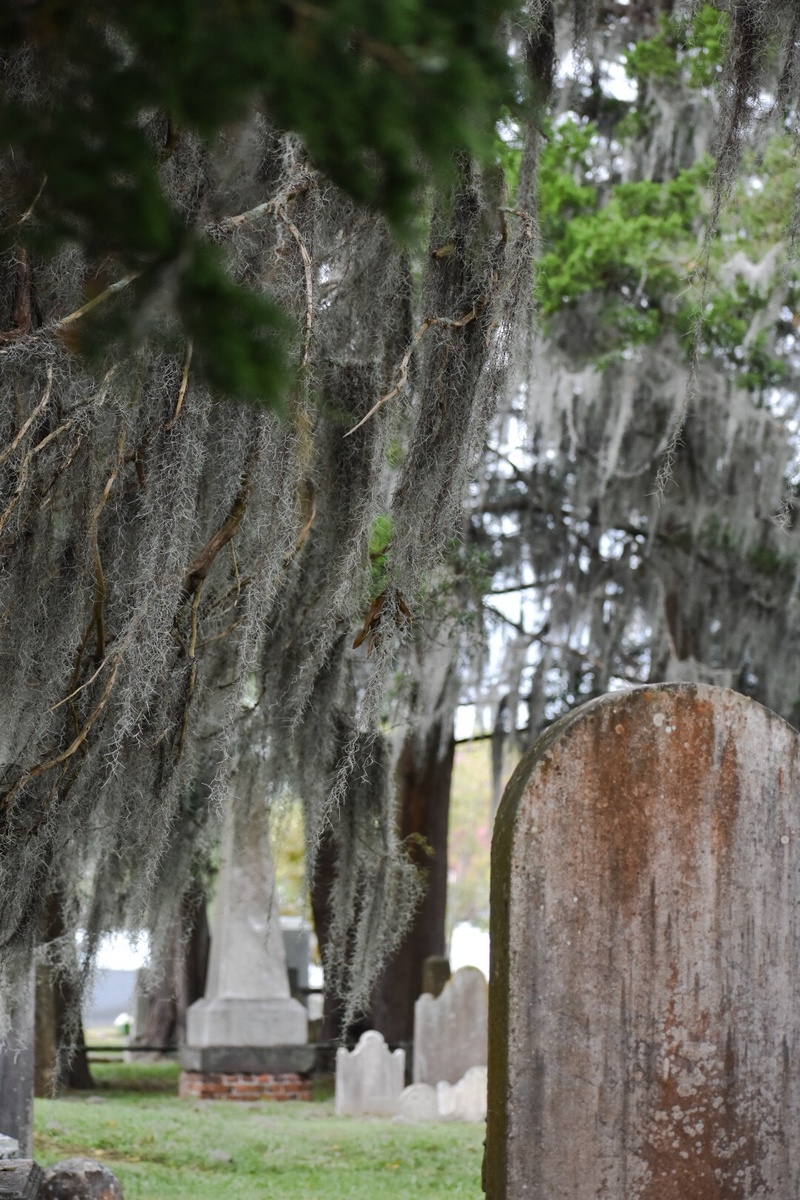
(465, 1100)
(418, 1103)
(450, 1030)
(370, 1078)
(644, 1037)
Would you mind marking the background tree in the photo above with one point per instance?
(183, 578)
(651, 520)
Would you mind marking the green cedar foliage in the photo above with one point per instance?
(631, 240)
(381, 92)
(688, 49)
(638, 244)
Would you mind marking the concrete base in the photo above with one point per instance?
(252, 1060)
(243, 1085)
(234, 1021)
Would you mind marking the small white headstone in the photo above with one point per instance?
(370, 1078)
(418, 1103)
(465, 1100)
(451, 1030)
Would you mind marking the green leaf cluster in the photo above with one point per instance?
(633, 246)
(380, 537)
(688, 49)
(760, 209)
(726, 321)
(382, 92)
(638, 244)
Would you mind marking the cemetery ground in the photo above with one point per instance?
(166, 1148)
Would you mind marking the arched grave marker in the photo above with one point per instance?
(645, 979)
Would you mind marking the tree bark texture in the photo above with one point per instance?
(182, 980)
(423, 773)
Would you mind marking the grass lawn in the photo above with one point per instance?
(171, 1149)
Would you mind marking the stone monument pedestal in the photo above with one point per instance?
(246, 1021)
(247, 1038)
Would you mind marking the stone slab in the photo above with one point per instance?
(246, 1000)
(247, 959)
(370, 1078)
(20, 1179)
(645, 926)
(236, 1021)
(450, 1030)
(259, 1060)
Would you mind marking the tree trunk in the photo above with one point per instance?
(423, 806)
(182, 980)
(324, 869)
(60, 1060)
(423, 773)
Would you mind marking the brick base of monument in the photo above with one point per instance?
(243, 1085)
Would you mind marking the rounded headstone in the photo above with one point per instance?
(80, 1179)
(644, 1028)
(418, 1103)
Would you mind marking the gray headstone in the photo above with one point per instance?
(9, 1147)
(80, 1179)
(645, 908)
(418, 1103)
(450, 1030)
(465, 1100)
(370, 1078)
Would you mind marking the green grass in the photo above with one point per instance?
(170, 1149)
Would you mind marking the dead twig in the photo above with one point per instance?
(376, 613)
(215, 637)
(187, 362)
(29, 210)
(307, 267)
(40, 407)
(402, 376)
(267, 207)
(100, 298)
(86, 684)
(197, 571)
(71, 749)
